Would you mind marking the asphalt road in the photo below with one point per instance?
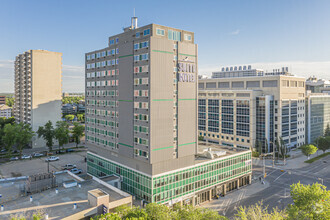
(278, 192)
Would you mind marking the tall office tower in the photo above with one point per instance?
(317, 115)
(141, 108)
(38, 89)
(242, 111)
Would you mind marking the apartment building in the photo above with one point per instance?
(2, 100)
(316, 85)
(38, 89)
(317, 115)
(5, 111)
(141, 124)
(238, 111)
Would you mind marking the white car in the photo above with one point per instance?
(26, 157)
(52, 158)
(76, 171)
(37, 155)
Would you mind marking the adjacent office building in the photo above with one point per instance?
(245, 106)
(316, 85)
(317, 115)
(38, 89)
(141, 124)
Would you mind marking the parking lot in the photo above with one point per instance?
(38, 165)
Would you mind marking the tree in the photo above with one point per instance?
(78, 132)
(10, 101)
(258, 147)
(327, 131)
(281, 146)
(62, 133)
(9, 137)
(69, 117)
(201, 138)
(309, 202)
(258, 212)
(24, 136)
(47, 132)
(158, 212)
(81, 117)
(155, 211)
(308, 150)
(323, 143)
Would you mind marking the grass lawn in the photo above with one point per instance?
(317, 158)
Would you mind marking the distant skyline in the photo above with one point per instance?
(265, 34)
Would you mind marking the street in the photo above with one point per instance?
(276, 191)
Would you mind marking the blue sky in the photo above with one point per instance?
(267, 34)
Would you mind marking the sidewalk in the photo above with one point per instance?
(295, 161)
(221, 205)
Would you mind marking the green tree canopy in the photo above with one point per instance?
(155, 211)
(258, 212)
(78, 132)
(69, 117)
(71, 99)
(308, 150)
(323, 143)
(62, 133)
(10, 101)
(24, 136)
(310, 202)
(81, 117)
(327, 131)
(47, 132)
(9, 137)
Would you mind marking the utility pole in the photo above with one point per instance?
(47, 161)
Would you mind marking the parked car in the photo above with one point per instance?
(13, 158)
(69, 150)
(68, 167)
(26, 157)
(3, 151)
(76, 171)
(38, 155)
(52, 158)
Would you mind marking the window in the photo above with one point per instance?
(144, 56)
(160, 32)
(136, 46)
(137, 34)
(187, 37)
(174, 35)
(117, 40)
(146, 32)
(117, 51)
(136, 58)
(88, 57)
(111, 42)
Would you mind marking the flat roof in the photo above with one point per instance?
(226, 150)
(57, 206)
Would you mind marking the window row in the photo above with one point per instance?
(102, 73)
(102, 92)
(141, 57)
(141, 93)
(102, 83)
(142, 105)
(138, 140)
(141, 45)
(143, 129)
(141, 69)
(141, 81)
(141, 153)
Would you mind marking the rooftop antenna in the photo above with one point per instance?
(134, 24)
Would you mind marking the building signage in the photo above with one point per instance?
(186, 72)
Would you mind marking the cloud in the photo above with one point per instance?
(320, 69)
(235, 32)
